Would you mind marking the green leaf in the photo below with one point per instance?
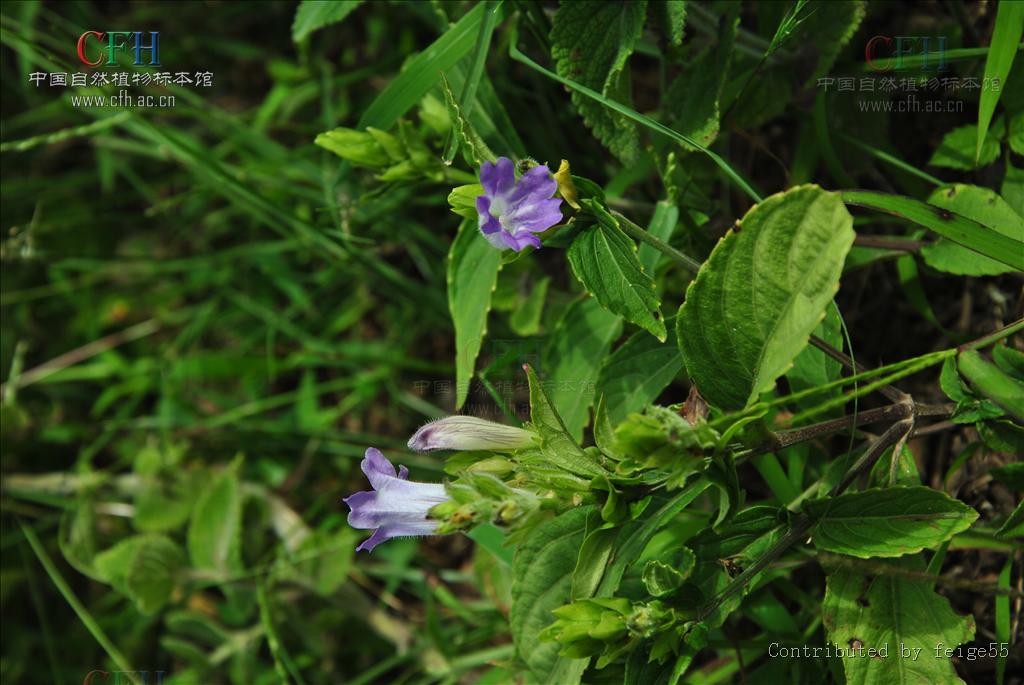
(463, 131)
(422, 72)
(462, 200)
(672, 15)
(590, 43)
(473, 265)
(1012, 189)
(812, 367)
(604, 260)
(152, 571)
(662, 579)
(359, 147)
(887, 522)
(525, 318)
(542, 579)
(663, 225)
(761, 293)
(693, 98)
(947, 224)
(1003, 389)
(555, 442)
(214, 533)
(1003, 48)
(957, 149)
(313, 15)
(897, 613)
(988, 209)
(143, 568)
(585, 334)
(637, 372)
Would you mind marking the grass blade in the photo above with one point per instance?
(959, 229)
(423, 72)
(1004, 47)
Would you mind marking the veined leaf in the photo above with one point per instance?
(605, 261)
(957, 149)
(586, 333)
(637, 372)
(313, 15)
(762, 291)
(1004, 47)
(947, 224)
(542, 581)
(897, 613)
(888, 522)
(590, 43)
(555, 442)
(473, 265)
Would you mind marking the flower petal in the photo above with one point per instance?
(498, 179)
(377, 467)
(535, 184)
(488, 223)
(535, 216)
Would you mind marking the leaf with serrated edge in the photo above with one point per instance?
(541, 582)
(887, 522)
(894, 612)
(636, 373)
(555, 442)
(590, 43)
(473, 265)
(604, 260)
(762, 291)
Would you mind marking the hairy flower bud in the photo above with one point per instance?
(468, 433)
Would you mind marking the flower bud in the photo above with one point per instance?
(468, 433)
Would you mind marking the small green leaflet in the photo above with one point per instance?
(762, 292)
(313, 15)
(605, 261)
(214, 532)
(988, 209)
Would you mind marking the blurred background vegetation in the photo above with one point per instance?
(207, 319)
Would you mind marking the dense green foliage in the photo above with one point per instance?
(770, 363)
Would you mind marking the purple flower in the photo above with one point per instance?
(396, 507)
(469, 433)
(511, 212)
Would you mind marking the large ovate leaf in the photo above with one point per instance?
(887, 522)
(637, 372)
(892, 612)
(585, 334)
(214, 532)
(590, 43)
(473, 265)
(542, 582)
(605, 261)
(987, 208)
(555, 442)
(762, 292)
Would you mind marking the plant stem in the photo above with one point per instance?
(892, 393)
(641, 234)
(889, 243)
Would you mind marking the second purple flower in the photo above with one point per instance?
(512, 212)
